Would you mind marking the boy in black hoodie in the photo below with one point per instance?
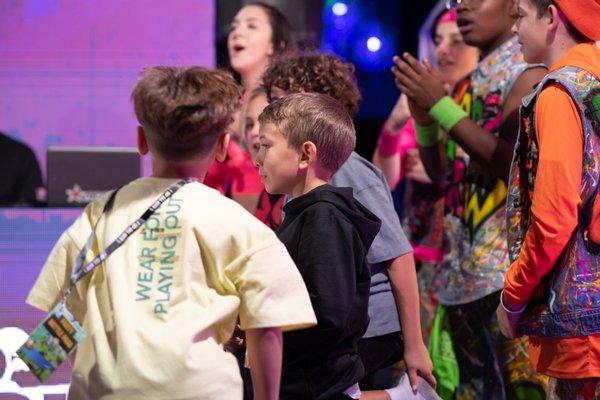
(304, 139)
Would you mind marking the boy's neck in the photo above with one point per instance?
(313, 179)
(558, 48)
(307, 187)
(195, 169)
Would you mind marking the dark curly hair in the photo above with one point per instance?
(314, 72)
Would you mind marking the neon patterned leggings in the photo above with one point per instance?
(491, 366)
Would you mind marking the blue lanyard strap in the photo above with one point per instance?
(79, 271)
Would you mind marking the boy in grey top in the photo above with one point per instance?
(372, 191)
(394, 298)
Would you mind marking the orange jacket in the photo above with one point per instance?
(555, 205)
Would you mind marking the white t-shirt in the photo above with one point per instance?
(158, 310)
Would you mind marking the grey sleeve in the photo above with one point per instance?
(390, 242)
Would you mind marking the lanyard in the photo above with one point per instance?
(79, 271)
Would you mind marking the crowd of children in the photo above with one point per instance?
(479, 118)
(504, 157)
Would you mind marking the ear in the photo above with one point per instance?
(553, 17)
(222, 145)
(142, 143)
(308, 154)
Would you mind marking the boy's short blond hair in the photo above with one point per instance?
(183, 110)
(314, 117)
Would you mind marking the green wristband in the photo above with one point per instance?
(427, 136)
(447, 113)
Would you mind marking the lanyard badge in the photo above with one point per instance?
(51, 342)
(59, 334)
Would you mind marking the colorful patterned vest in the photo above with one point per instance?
(570, 305)
(475, 251)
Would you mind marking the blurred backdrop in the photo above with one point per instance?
(366, 32)
(67, 68)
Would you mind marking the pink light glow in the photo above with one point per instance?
(67, 66)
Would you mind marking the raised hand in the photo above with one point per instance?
(399, 115)
(419, 81)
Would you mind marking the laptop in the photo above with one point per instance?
(79, 175)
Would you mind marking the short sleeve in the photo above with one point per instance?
(372, 191)
(272, 291)
(390, 242)
(54, 279)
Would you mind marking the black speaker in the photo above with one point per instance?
(304, 18)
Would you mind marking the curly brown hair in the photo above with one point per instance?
(314, 72)
(183, 110)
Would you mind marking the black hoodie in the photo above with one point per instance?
(328, 234)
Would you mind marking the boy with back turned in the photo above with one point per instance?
(157, 311)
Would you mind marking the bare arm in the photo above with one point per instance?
(390, 164)
(496, 152)
(434, 160)
(424, 89)
(403, 279)
(264, 355)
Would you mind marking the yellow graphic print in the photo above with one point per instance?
(483, 194)
(481, 203)
(465, 103)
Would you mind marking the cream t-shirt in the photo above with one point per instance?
(158, 310)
